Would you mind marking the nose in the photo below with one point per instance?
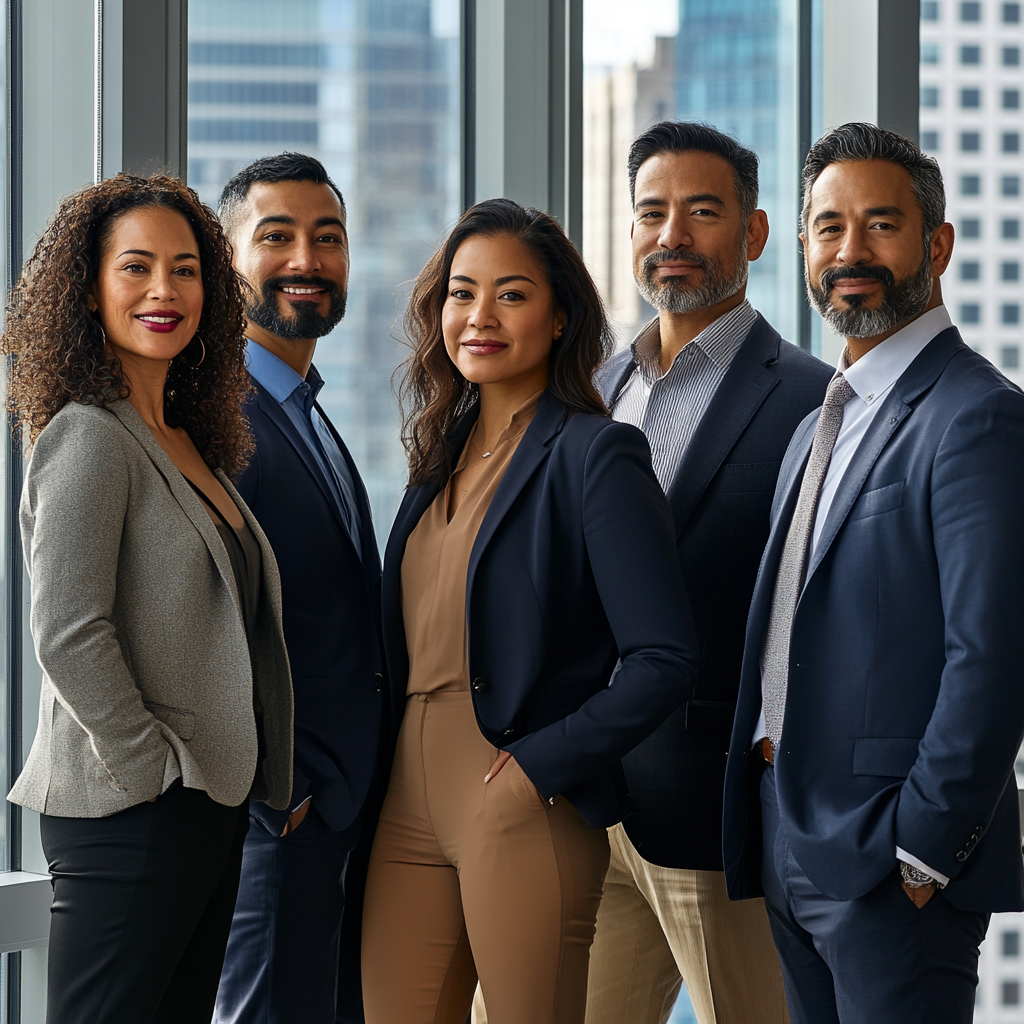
(163, 285)
(854, 248)
(303, 257)
(675, 232)
(483, 313)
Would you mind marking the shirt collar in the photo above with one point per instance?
(719, 341)
(876, 371)
(274, 374)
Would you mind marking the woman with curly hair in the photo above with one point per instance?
(509, 596)
(166, 700)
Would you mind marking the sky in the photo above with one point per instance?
(617, 34)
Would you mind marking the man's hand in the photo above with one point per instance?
(920, 894)
(297, 817)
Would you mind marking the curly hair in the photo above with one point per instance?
(56, 346)
(432, 390)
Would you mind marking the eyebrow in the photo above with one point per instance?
(700, 197)
(152, 255)
(499, 281)
(874, 211)
(280, 218)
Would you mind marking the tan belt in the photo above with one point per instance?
(767, 750)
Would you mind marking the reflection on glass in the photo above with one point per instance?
(5, 683)
(727, 62)
(371, 88)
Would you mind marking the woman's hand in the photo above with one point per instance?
(500, 761)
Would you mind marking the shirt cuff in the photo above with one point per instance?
(910, 859)
(760, 731)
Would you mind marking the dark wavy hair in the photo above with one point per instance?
(432, 390)
(56, 346)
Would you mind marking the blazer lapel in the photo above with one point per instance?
(179, 487)
(919, 376)
(744, 388)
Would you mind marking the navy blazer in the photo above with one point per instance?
(573, 568)
(330, 594)
(905, 708)
(721, 498)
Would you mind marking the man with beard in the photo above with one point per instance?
(718, 393)
(870, 790)
(286, 221)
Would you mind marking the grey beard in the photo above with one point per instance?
(674, 295)
(902, 301)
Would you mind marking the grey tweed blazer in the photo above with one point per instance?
(147, 674)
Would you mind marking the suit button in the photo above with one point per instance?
(479, 684)
(962, 856)
(378, 680)
(979, 830)
(510, 732)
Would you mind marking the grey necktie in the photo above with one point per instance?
(793, 565)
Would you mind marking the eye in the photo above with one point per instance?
(460, 293)
(703, 212)
(275, 236)
(512, 296)
(135, 268)
(329, 239)
(883, 226)
(650, 214)
(185, 272)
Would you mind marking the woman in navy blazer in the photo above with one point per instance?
(510, 593)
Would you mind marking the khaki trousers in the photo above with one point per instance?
(469, 880)
(658, 927)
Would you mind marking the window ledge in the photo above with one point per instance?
(25, 900)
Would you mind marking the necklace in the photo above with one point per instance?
(487, 455)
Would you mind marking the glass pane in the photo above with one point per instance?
(731, 63)
(371, 88)
(5, 683)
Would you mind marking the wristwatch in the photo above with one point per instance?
(915, 878)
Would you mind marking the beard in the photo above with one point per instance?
(307, 321)
(902, 301)
(676, 294)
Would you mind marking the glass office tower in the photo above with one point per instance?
(371, 88)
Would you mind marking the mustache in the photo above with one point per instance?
(834, 274)
(670, 256)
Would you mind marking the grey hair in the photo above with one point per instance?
(860, 141)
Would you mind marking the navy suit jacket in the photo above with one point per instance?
(905, 706)
(721, 498)
(573, 568)
(330, 593)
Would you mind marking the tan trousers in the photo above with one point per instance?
(468, 880)
(658, 927)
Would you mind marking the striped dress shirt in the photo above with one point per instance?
(668, 407)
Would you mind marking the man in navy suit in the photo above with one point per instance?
(870, 790)
(286, 221)
(718, 393)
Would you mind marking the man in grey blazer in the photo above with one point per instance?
(287, 223)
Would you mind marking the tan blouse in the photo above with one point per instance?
(436, 563)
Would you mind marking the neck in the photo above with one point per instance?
(146, 380)
(679, 329)
(858, 347)
(498, 403)
(294, 352)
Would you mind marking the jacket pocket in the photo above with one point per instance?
(182, 723)
(881, 499)
(891, 756)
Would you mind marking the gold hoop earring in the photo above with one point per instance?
(195, 366)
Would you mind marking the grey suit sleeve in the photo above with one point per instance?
(73, 513)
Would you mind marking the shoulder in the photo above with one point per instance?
(81, 431)
(797, 364)
(610, 371)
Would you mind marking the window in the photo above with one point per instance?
(1010, 185)
(1009, 314)
(1011, 944)
(1009, 270)
(970, 185)
(970, 313)
(970, 227)
(1011, 99)
(970, 12)
(970, 54)
(930, 141)
(1011, 14)
(970, 271)
(970, 142)
(1011, 56)
(1011, 142)
(1011, 228)
(930, 10)
(930, 53)
(930, 96)
(970, 99)
(1009, 359)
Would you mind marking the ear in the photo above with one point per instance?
(560, 321)
(757, 234)
(941, 248)
(90, 299)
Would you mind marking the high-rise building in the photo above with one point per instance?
(371, 88)
(972, 121)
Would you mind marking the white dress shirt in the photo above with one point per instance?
(872, 378)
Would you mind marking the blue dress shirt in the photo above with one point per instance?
(297, 397)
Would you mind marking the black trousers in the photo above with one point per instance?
(141, 910)
(873, 960)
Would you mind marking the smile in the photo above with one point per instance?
(291, 289)
(160, 321)
(483, 346)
